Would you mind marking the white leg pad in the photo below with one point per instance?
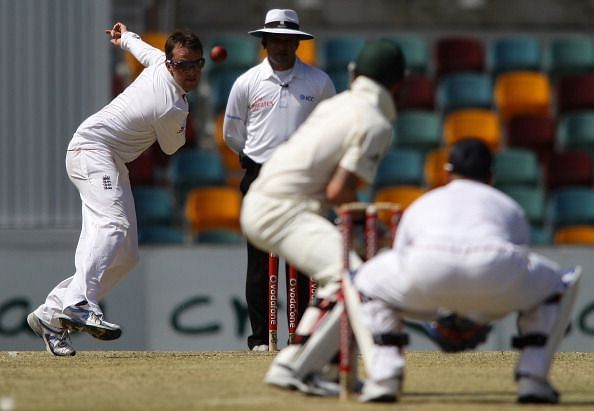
(551, 320)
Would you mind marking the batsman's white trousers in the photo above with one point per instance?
(108, 244)
(295, 230)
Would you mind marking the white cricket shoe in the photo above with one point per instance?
(381, 391)
(536, 391)
(76, 318)
(282, 376)
(260, 348)
(57, 342)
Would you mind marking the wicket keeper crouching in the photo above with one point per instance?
(462, 249)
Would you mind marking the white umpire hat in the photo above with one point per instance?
(282, 21)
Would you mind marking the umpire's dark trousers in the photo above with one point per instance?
(256, 284)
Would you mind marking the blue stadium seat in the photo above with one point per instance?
(515, 53)
(570, 55)
(516, 167)
(190, 169)
(402, 166)
(576, 131)
(417, 129)
(338, 52)
(465, 90)
(415, 50)
(160, 234)
(154, 205)
(571, 206)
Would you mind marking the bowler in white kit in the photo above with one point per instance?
(152, 108)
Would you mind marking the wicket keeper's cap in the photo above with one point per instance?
(282, 21)
(471, 158)
(381, 60)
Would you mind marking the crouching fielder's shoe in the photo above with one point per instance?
(536, 391)
(76, 318)
(57, 342)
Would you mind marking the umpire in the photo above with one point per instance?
(266, 105)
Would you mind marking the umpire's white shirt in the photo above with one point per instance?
(152, 108)
(263, 109)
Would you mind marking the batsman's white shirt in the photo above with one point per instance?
(281, 211)
(152, 108)
(264, 109)
(464, 248)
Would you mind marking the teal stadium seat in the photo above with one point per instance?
(154, 205)
(465, 90)
(516, 167)
(337, 53)
(576, 131)
(221, 236)
(401, 166)
(415, 50)
(416, 129)
(160, 235)
(515, 53)
(571, 206)
(190, 169)
(570, 55)
(532, 201)
(242, 54)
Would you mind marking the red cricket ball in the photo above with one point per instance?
(218, 54)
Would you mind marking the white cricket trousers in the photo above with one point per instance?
(482, 282)
(108, 244)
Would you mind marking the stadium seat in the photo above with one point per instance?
(569, 168)
(417, 93)
(459, 53)
(341, 79)
(574, 235)
(161, 235)
(155, 39)
(154, 205)
(571, 206)
(219, 237)
(242, 52)
(420, 130)
(220, 83)
(338, 52)
(142, 170)
(575, 92)
(212, 208)
(401, 166)
(513, 53)
(576, 131)
(516, 167)
(415, 50)
(479, 123)
(522, 92)
(433, 170)
(570, 55)
(401, 195)
(464, 90)
(536, 132)
(190, 169)
(532, 201)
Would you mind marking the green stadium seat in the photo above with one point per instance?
(516, 167)
(416, 129)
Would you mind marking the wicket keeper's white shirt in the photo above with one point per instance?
(151, 108)
(263, 110)
(463, 212)
(352, 130)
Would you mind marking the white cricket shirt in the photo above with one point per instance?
(463, 212)
(263, 110)
(352, 130)
(151, 108)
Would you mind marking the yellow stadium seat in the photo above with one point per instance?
(213, 208)
(401, 195)
(479, 123)
(522, 92)
(434, 171)
(577, 234)
(155, 39)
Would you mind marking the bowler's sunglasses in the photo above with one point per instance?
(187, 65)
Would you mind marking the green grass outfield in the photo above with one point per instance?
(130, 380)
